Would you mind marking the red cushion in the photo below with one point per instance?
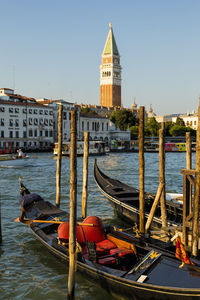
(63, 233)
(104, 246)
(107, 261)
(80, 235)
(121, 251)
(93, 233)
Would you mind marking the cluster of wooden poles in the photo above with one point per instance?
(191, 180)
(188, 206)
(73, 190)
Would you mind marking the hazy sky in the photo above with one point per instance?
(52, 49)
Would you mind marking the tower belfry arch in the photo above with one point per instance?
(110, 73)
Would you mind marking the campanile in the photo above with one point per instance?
(110, 73)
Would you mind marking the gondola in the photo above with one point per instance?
(113, 259)
(125, 200)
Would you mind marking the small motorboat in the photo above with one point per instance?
(115, 260)
(11, 160)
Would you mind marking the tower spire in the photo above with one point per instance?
(110, 73)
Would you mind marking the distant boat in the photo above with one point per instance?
(9, 160)
(95, 148)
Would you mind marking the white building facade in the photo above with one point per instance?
(190, 120)
(24, 123)
(97, 126)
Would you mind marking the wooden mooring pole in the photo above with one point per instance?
(162, 175)
(0, 224)
(141, 169)
(197, 193)
(85, 175)
(188, 184)
(73, 208)
(59, 156)
(188, 151)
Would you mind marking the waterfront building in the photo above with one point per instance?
(97, 125)
(110, 73)
(24, 123)
(32, 124)
(67, 107)
(190, 119)
(165, 118)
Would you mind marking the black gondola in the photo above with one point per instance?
(125, 200)
(112, 259)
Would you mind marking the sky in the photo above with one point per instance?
(52, 49)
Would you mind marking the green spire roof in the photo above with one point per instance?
(110, 46)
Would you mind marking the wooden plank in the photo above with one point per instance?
(189, 217)
(191, 179)
(153, 208)
(189, 172)
(186, 207)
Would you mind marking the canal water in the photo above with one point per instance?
(27, 270)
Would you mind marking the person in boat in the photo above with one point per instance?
(20, 153)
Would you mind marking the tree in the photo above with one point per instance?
(123, 119)
(168, 126)
(134, 131)
(178, 130)
(88, 110)
(179, 121)
(153, 126)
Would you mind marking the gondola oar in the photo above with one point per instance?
(50, 221)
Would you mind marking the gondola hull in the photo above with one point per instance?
(163, 279)
(125, 201)
(122, 288)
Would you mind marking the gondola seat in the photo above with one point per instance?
(93, 255)
(94, 232)
(121, 252)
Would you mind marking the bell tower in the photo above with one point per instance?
(110, 73)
